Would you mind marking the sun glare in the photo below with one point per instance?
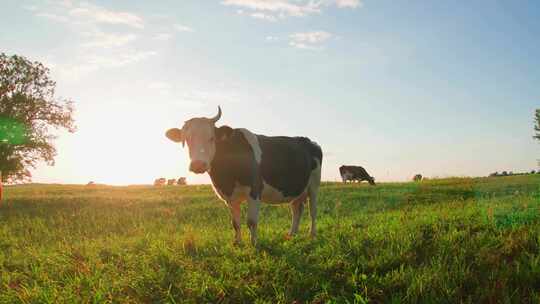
(124, 149)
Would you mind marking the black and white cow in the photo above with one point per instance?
(244, 166)
(357, 173)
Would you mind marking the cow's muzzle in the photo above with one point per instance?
(198, 166)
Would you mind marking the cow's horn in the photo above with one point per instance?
(217, 117)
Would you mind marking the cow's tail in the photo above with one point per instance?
(314, 150)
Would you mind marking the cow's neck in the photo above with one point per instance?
(232, 158)
(216, 164)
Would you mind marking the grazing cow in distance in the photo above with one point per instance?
(171, 182)
(160, 181)
(244, 166)
(417, 177)
(181, 181)
(355, 173)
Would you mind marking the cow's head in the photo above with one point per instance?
(201, 135)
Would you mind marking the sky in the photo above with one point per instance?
(441, 88)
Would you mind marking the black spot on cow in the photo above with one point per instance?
(287, 162)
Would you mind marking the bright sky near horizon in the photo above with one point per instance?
(442, 88)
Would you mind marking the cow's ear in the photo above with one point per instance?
(175, 135)
(223, 133)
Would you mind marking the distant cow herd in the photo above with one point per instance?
(170, 182)
(510, 173)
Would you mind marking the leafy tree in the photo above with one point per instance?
(537, 124)
(29, 112)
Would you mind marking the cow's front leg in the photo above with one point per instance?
(253, 218)
(235, 217)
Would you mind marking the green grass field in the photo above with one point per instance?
(451, 240)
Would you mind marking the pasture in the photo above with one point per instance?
(460, 240)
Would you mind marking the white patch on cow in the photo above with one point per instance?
(201, 149)
(315, 176)
(254, 143)
(346, 176)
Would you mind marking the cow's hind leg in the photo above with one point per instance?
(253, 218)
(313, 210)
(313, 189)
(297, 206)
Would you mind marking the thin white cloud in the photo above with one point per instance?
(300, 45)
(311, 37)
(263, 16)
(183, 28)
(121, 59)
(272, 38)
(286, 7)
(272, 10)
(92, 62)
(309, 40)
(348, 3)
(98, 14)
(76, 12)
(53, 17)
(163, 36)
(101, 39)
